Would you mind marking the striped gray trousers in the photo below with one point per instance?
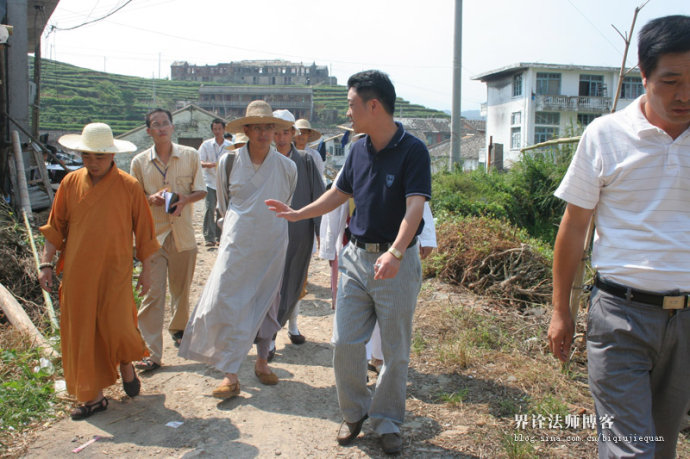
(361, 301)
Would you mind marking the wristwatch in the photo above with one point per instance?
(396, 253)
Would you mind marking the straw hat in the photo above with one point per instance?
(238, 138)
(304, 125)
(258, 112)
(96, 138)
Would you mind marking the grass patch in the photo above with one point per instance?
(455, 398)
(509, 407)
(549, 405)
(454, 353)
(27, 394)
(497, 356)
(418, 343)
(516, 448)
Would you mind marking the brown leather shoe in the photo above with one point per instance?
(269, 379)
(391, 443)
(227, 390)
(348, 431)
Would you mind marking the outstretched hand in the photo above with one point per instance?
(282, 210)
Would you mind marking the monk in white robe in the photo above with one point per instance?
(240, 299)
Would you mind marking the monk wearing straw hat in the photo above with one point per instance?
(239, 303)
(97, 210)
(304, 135)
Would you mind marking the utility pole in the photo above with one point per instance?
(455, 123)
(36, 103)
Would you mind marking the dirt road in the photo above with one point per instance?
(297, 418)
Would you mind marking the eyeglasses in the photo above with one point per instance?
(163, 125)
(261, 127)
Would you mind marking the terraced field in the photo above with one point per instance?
(73, 96)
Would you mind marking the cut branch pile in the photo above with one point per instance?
(17, 266)
(490, 257)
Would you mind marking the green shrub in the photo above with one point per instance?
(523, 195)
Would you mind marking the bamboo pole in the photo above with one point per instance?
(549, 143)
(17, 317)
(24, 201)
(13, 178)
(37, 260)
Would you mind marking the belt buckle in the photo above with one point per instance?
(674, 302)
(371, 247)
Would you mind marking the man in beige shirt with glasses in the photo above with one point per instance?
(167, 168)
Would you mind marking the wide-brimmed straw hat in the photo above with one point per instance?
(258, 112)
(96, 138)
(238, 138)
(304, 125)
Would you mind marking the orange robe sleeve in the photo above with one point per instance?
(56, 228)
(142, 223)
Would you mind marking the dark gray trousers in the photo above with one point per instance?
(211, 230)
(639, 375)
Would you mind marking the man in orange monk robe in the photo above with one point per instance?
(97, 210)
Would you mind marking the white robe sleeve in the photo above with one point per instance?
(222, 186)
(427, 238)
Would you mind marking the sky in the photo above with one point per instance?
(410, 40)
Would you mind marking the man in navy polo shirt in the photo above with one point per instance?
(388, 174)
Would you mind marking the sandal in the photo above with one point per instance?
(147, 365)
(86, 410)
(132, 387)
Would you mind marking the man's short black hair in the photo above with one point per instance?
(217, 121)
(374, 84)
(157, 110)
(666, 35)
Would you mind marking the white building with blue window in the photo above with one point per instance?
(528, 103)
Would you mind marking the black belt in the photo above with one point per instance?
(376, 247)
(677, 301)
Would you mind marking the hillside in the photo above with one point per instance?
(73, 96)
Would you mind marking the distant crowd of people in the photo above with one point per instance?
(267, 210)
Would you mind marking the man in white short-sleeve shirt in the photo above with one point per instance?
(630, 173)
(209, 153)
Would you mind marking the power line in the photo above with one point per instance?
(127, 2)
(595, 27)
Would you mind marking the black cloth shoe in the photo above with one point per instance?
(297, 339)
(271, 355)
(177, 337)
(391, 443)
(133, 387)
(348, 431)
